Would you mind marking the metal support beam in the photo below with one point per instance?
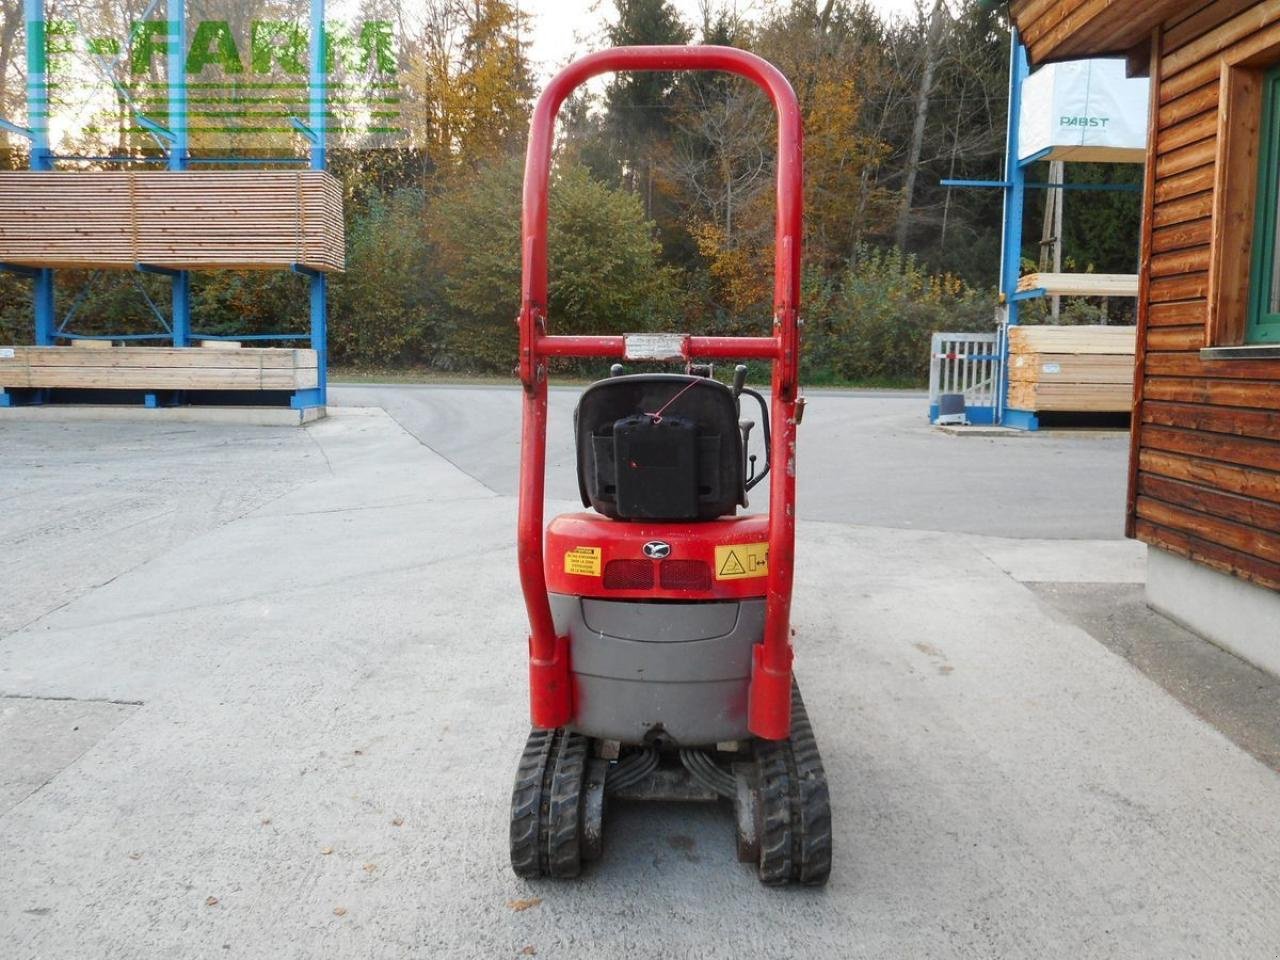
(15, 129)
(42, 297)
(156, 130)
(315, 130)
(980, 184)
(1021, 419)
(176, 63)
(1041, 185)
(108, 159)
(1039, 154)
(176, 49)
(44, 302)
(320, 332)
(1014, 199)
(318, 86)
(256, 161)
(181, 286)
(302, 399)
(312, 137)
(37, 84)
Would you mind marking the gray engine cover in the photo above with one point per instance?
(681, 668)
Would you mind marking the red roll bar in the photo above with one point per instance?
(551, 703)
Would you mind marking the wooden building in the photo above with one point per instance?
(1204, 481)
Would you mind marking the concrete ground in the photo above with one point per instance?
(875, 461)
(262, 694)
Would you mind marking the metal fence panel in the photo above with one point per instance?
(966, 363)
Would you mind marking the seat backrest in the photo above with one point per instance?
(659, 447)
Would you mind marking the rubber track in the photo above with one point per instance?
(526, 804)
(564, 808)
(776, 844)
(810, 799)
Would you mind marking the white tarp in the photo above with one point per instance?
(1084, 110)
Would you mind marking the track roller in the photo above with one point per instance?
(781, 804)
(791, 840)
(547, 836)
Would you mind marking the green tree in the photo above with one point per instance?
(636, 102)
(467, 91)
(604, 270)
(383, 308)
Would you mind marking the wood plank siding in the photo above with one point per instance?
(1072, 29)
(1205, 465)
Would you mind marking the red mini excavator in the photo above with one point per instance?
(660, 644)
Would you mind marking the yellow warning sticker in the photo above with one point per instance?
(584, 561)
(741, 561)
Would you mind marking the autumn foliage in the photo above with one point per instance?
(662, 200)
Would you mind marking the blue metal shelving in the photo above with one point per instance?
(175, 142)
(1015, 186)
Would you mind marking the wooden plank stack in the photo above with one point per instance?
(199, 220)
(1085, 369)
(157, 368)
(1081, 284)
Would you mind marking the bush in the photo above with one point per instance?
(16, 323)
(384, 308)
(605, 275)
(873, 322)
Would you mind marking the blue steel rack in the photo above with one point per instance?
(175, 143)
(1015, 186)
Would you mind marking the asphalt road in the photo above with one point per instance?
(865, 458)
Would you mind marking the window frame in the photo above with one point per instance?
(1262, 326)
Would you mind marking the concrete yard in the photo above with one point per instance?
(262, 692)
(1065, 484)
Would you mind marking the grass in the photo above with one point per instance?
(338, 374)
(423, 375)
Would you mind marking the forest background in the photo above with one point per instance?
(661, 205)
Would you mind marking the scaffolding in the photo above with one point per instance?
(173, 137)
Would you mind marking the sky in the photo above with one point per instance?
(560, 26)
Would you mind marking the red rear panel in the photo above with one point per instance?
(588, 555)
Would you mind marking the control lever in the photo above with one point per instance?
(749, 468)
(617, 370)
(739, 379)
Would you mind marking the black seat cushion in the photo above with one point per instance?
(685, 463)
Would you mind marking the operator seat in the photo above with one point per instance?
(660, 447)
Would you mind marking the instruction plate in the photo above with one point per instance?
(582, 561)
(742, 561)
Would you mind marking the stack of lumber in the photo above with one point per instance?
(245, 220)
(1087, 369)
(157, 368)
(1081, 284)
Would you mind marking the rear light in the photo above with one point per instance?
(628, 575)
(685, 575)
(672, 575)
